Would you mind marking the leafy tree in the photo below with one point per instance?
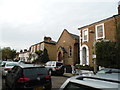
(7, 53)
(106, 54)
(43, 56)
(117, 23)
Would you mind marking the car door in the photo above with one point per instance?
(16, 75)
(10, 76)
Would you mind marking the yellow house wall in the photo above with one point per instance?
(51, 51)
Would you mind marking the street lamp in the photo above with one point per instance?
(94, 55)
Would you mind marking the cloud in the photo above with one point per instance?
(25, 22)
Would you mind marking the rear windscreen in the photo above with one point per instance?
(34, 72)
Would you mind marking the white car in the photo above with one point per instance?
(55, 67)
(3, 63)
(92, 82)
(8, 66)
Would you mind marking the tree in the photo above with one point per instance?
(45, 56)
(42, 56)
(7, 53)
(107, 55)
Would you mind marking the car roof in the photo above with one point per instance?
(97, 81)
(12, 62)
(29, 65)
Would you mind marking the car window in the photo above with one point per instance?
(58, 64)
(103, 71)
(115, 70)
(14, 69)
(109, 71)
(75, 86)
(11, 64)
(48, 63)
(35, 72)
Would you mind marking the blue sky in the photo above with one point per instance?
(25, 22)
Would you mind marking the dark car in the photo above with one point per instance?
(28, 76)
(55, 67)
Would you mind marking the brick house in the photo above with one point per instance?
(102, 30)
(49, 44)
(68, 48)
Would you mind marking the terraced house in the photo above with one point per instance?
(104, 30)
(49, 44)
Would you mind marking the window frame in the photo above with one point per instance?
(103, 29)
(83, 34)
(70, 51)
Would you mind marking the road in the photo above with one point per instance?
(57, 81)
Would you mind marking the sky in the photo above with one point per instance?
(25, 22)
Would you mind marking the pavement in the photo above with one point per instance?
(78, 73)
(68, 75)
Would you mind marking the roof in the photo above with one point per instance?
(72, 35)
(98, 21)
(50, 42)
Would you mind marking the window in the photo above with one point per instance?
(70, 51)
(85, 35)
(100, 31)
(42, 46)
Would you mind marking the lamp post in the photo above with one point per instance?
(94, 55)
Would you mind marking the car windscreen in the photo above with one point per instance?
(34, 72)
(75, 86)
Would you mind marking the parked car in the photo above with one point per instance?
(108, 71)
(92, 82)
(8, 66)
(4, 62)
(55, 67)
(28, 76)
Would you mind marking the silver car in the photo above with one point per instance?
(8, 66)
(92, 82)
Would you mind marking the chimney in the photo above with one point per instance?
(48, 39)
(119, 7)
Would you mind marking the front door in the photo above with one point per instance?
(84, 56)
(60, 56)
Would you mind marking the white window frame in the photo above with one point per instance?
(83, 39)
(97, 31)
